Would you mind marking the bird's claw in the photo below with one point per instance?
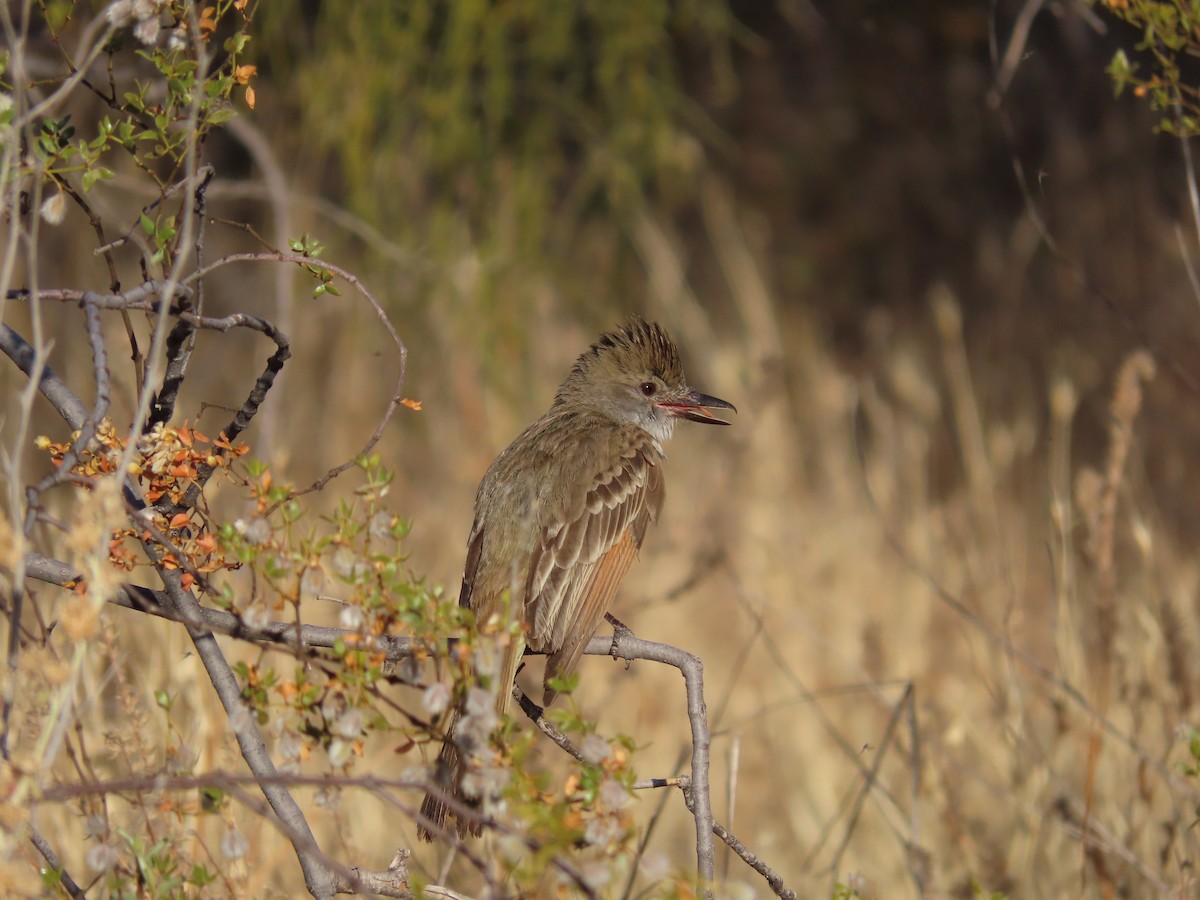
(620, 631)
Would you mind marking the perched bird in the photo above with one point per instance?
(559, 517)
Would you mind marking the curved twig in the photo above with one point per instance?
(697, 796)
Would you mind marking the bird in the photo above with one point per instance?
(559, 518)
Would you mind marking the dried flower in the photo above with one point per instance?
(54, 208)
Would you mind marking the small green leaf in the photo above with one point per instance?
(201, 877)
(564, 684)
(91, 176)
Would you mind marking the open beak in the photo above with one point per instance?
(695, 407)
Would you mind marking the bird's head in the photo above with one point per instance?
(633, 375)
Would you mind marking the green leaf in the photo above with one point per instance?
(565, 684)
(211, 799)
(201, 877)
(91, 176)
(222, 115)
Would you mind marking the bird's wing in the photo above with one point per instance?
(582, 555)
(471, 567)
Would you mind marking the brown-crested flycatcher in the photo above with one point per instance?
(559, 518)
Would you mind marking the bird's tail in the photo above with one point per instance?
(446, 789)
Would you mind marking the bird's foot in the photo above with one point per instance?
(620, 631)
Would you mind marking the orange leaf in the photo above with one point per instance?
(405, 746)
(414, 405)
(180, 519)
(250, 96)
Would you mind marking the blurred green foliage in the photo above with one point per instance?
(498, 121)
(1170, 33)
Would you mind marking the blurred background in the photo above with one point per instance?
(915, 244)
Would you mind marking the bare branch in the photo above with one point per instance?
(318, 876)
(158, 603)
(696, 795)
(753, 861)
(64, 877)
(53, 388)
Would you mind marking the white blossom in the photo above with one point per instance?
(234, 844)
(289, 748)
(350, 724)
(311, 581)
(339, 752)
(436, 698)
(256, 532)
(594, 749)
(328, 797)
(102, 857)
(119, 13)
(256, 617)
(147, 30)
(381, 526)
(596, 874)
(655, 865)
(613, 794)
(351, 617)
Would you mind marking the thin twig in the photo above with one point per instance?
(182, 339)
(87, 430)
(64, 877)
(354, 281)
(774, 880)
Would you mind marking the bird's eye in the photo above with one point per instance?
(649, 388)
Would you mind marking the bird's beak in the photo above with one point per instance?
(695, 407)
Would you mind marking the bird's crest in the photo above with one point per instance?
(635, 343)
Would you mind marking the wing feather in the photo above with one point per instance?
(582, 556)
(594, 601)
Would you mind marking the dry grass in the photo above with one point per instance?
(940, 650)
